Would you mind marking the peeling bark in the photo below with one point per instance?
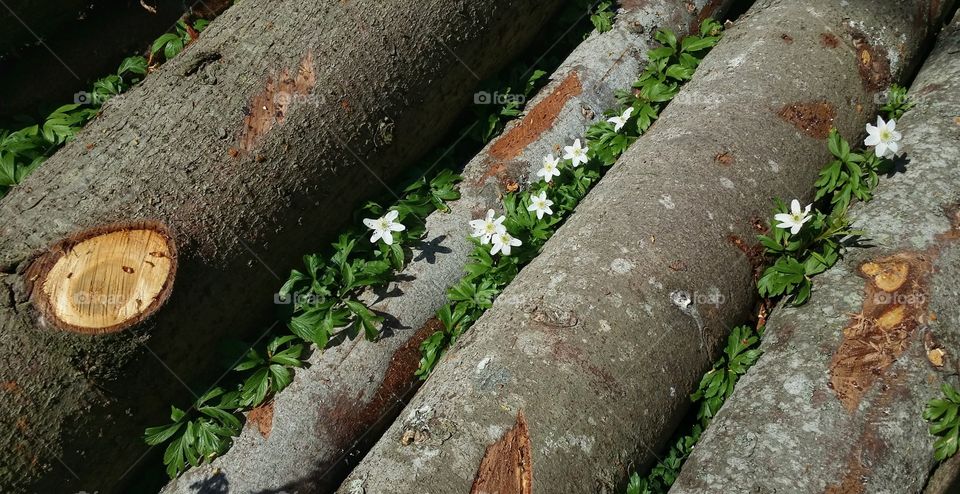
(601, 338)
(506, 466)
(835, 403)
(337, 408)
(354, 88)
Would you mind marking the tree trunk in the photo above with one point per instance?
(582, 367)
(231, 161)
(337, 408)
(835, 403)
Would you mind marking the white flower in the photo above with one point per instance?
(384, 226)
(576, 154)
(502, 242)
(540, 204)
(884, 136)
(486, 228)
(795, 219)
(550, 168)
(619, 122)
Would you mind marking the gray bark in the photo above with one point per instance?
(378, 86)
(794, 423)
(600, 339)
(338, 407)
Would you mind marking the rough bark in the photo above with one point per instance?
(600, 339)
(834, 404)
(946, 478)
(247, 148)
(337, 408)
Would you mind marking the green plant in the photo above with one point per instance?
(806, 244)
(486, 273)
(944, 422)
(171, 44)
(22, 151)
(602, 17)
(898, 102)
(849, 175)
(325, 306)
(201, 433)
(324, 295)
(798, 257)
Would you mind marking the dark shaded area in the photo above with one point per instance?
(51, 50)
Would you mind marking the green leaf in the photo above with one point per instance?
(156, 435)
(133, 65)
(663, 52)
(282, 376)
(666, 37)
(255, 388)
(161, 43)
(679, 72)
(692, 44)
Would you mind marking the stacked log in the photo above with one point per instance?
(835, 404)
(336, 408)
(129, 255)
(581, 369)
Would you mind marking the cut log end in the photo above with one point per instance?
(105, 279)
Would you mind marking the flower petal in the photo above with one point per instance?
(387, 238)
(392, 215)
(783, 218)
(881, 149)
(370, 223)
(872, 140)
(795, 206)
(397, 227)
